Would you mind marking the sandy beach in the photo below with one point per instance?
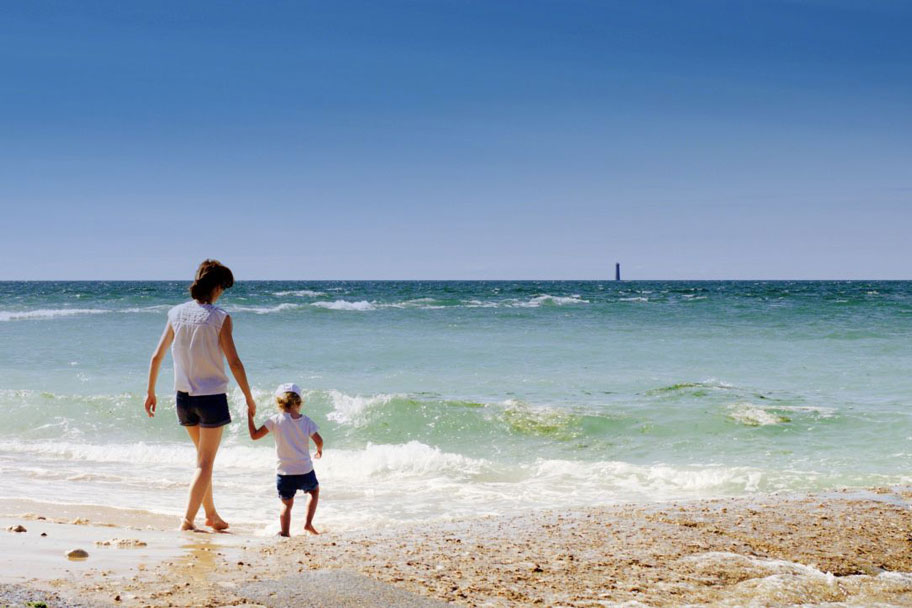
(845, 547)
(587, 304)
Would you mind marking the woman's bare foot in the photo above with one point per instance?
(217, 523)
(311, 530)
(187, 525)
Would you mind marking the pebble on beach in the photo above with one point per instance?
(17, 528)
(121, 543)
(77, 554)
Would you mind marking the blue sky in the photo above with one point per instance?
(456, 139)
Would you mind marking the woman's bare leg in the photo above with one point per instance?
(208, 504)
(207, 442)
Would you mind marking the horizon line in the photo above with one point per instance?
(552, 280)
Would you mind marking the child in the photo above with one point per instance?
(293, 432)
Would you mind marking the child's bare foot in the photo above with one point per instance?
(283, 534)
(187, 525)
(217, 523)
(311, 530)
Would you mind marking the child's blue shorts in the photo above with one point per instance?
(287, 485)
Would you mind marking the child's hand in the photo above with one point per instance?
(151, 402)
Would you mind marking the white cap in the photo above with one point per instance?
(288, 387)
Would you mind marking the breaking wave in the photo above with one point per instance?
(49, 313)
(360, 306)
(300, 293)
(263, 310)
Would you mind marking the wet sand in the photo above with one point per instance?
(848, 547)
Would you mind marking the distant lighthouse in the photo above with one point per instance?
(617, 271)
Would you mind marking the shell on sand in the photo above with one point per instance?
(77, 554)
(17, 528)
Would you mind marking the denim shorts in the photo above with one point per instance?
(207, 411)
(287, 485)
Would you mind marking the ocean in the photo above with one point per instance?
(449, 399)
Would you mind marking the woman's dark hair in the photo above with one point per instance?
(209, 275)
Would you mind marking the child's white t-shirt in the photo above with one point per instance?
(292, 442)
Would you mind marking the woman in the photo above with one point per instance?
(199, 334)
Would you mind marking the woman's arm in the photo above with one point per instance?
(234, 362)
(318, 441)
(255, 433)
(157, 357)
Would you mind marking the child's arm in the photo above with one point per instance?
(255, 433)
(318, 441)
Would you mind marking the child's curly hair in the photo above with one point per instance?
(288, 401)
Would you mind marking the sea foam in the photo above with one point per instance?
(49, 313)
(300, 293)
(263, 310)
(360, 306)
(351, 409)
(752, 415)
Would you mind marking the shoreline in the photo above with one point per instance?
(840, 546)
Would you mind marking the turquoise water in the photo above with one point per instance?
(443, 399)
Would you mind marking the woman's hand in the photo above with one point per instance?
(167, 338)
(319, 453)
(251, 407)
(151, 402)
